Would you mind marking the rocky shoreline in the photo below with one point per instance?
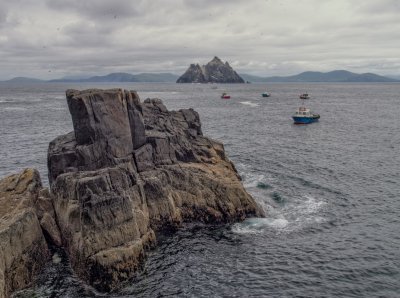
(129, 170)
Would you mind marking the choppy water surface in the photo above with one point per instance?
(331, 191)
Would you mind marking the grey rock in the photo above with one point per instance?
(23, 248)
(104, 223)
(130, 169)
(101, 122)
(144, 158)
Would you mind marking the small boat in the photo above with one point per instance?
(304, 96)
(266, 94)
(304, 116)
(225, 95)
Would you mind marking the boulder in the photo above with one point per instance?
(23, 248)
(131, 169)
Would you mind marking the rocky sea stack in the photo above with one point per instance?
(129, 170)
(214, 71)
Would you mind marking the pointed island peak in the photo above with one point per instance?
(216, 59)
(215, 71)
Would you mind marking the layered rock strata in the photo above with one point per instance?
(23, 247)
(132, 168)
(214, 71)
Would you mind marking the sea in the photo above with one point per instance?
(330, 190)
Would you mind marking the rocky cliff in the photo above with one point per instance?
(129, 169)
(132, 168)
(23, 248)
(214, 71)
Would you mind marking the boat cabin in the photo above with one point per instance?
(304, 96)
(302, 111)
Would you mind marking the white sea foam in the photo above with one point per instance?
(258, 225)
(15, 108)
(252, 180)
(249, 103)
(305, 212)
(309, 205)
(293, 216)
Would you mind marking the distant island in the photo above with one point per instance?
(214, 71)
(340, 76)
(221, 73)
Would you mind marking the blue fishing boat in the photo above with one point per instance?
(304, 116)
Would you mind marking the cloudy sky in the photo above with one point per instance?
(54, 38)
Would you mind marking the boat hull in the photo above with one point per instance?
(305, 120)
(265, 95)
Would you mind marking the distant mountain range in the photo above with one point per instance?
(24, 80)
(308, 76)
(112, 77)
(314, 76)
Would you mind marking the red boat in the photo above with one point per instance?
(225, 96)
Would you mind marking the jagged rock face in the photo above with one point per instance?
(214, 71)
(194, 74)
(23, 248)
(132, 168)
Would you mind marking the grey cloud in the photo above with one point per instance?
(379, 7)
(98, 9)
(260, 37)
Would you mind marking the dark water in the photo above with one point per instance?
(331, 190)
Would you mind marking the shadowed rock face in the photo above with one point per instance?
(132, 168)
(214, 71)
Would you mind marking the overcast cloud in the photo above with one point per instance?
(53, 38)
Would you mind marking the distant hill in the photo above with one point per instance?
(395, 77)
(24, 80)
(112, 77)
(314, 76)
(156, 77)
(308, 76)
(126, 77)
(253, 79)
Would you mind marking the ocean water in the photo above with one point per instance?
(331, 191)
